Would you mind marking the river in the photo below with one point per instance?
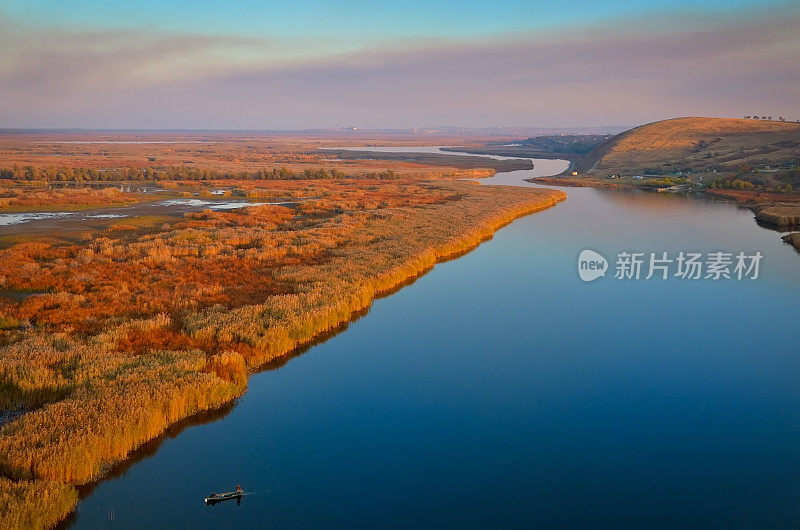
(499, 390)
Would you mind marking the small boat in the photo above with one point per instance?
(219, 497)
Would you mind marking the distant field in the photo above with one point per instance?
(226, 153)
(120, 326)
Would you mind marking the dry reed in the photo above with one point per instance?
(139, 330)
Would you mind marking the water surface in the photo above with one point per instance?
(498, 390)
(44, 221)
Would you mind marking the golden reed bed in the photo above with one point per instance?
(108, 356)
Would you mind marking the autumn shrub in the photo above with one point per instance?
(33, 505)
(228, 366)
(8, 322)
(101, 422)
(131, 331)
(22, 198)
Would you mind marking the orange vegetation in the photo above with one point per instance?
(45, 156)
(53, 499)
(13, 197)
(129, 331)
(754, 197)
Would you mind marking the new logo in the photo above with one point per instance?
(591, 265)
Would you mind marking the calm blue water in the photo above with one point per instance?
(499, 390)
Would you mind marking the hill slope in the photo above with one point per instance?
(695, 144)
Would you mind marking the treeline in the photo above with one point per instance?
(733, 184)
(665, 182)
(67, 174)
(741, 184)
(568, 143)
(790, 176)
(785, 180)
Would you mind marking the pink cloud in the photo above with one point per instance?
(625, 73)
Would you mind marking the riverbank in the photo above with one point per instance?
(773, 210)
(793, 239)
(517, 152)
(103, 394)
(399, 410)
(574, 182)
(460, 161)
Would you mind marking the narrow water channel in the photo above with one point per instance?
(499, 390)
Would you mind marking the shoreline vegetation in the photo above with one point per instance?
(106, 362)
(755, 163)
(777, 211)
(110, 338)
(793, 239)
(460, 161)
(15, 198)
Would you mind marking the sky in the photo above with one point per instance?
(322, 64)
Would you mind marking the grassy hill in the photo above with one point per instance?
(695, 144)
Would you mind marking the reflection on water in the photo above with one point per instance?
(150, 448)
(18, 218)
(147, 450)
(215, 205)
(165, 207)
(7, 219)
(499, 390)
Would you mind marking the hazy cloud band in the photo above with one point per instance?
(629, 72)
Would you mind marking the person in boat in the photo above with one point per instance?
(213, 495)
(238, 489)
